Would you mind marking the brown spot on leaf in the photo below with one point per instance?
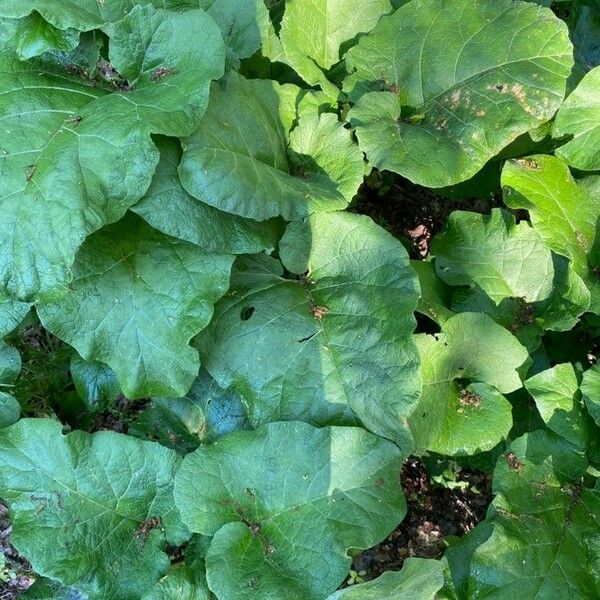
(467, 398)
(162, 72)
(143, 531)
(513, 462)
(529, 163)
(318, 311)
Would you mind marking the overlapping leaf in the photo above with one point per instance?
(313, 32)
(504, 259)
(75, 157)
(121, 310)
(564, 211)
(443, 114)
(285, 503)
(92, 511)
(239, 161)
(579, 120)
(542, 527)
(170, 209)
(204, 415)
(466, 370)
(333, 345)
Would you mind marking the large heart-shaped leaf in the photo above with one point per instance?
(590, 389)
(461, 79)
(285, 503)
(451, 418)
(564, 211)
(92, 511)
(330, 346)
(313, 31)
(540, 529)
(170, 209)
(239, 161)
(579, 119)
(121, 310)
(504, 259)
(75, 157)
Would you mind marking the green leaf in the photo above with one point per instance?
(46, 589)
(34, 36)
(205, 414)
(59, 150)
(557, 397)
(541, 529)
(95, 383)
(91, 511)
(313, 32)
(590, 389)
(334, 345)
(10, 367)
(84, 15)
(170, 209)
(443, 114)
(121, 310)
(238, 160)
(585, 33)
(579, 119)
(419, 578)
(504, 259)
(564, 211)
(12, 312)
(435, 294)
(453, 419)
(283, 524)
(180, 583)
(243, 24)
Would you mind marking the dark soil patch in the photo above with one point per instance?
(412, 212)
(434, 513)
(119, 416)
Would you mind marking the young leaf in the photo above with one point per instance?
(95, 383)
(557, 397)
(332, 346)
(91, 511)
(504, 259)
(170, 209)
(419, 578)
(436, 296)
(443, 114)
(61, 152)
(564, 211)
(283, 524)
(453, 419)
(313, 31)
(238, 161)
(121, 310)
(579, 119)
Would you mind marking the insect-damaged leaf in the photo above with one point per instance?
(283, 524)
(331, 346)
(439, 116)
(74, 156)
(91, 511)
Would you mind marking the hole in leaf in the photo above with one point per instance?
(247, 312)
